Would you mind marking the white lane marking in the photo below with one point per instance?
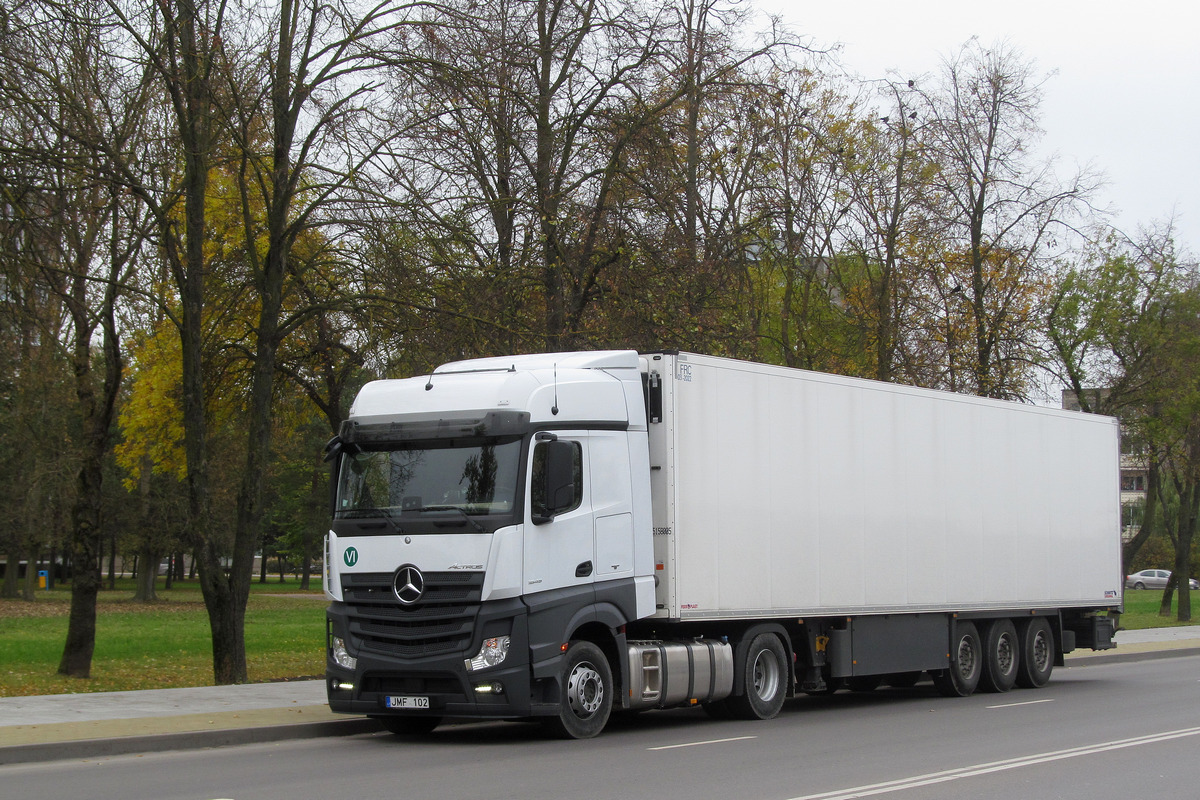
(1025, 703)
(931, 778)
(698, 744)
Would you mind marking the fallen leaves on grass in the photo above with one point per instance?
(61, 606)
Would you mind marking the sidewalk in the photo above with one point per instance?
(96, 725)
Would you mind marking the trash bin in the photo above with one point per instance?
(43, 579)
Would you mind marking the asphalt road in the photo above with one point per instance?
(1113, 730)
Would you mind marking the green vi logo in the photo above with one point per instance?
(350, 556)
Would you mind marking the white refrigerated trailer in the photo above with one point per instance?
(558, 535)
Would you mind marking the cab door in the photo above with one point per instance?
(559, 552)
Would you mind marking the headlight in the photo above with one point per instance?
(493, 652)
(341, 656)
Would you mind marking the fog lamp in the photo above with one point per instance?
(495, 687)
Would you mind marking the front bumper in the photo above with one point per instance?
(442, 679)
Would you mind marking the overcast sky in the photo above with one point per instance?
(1125, 95)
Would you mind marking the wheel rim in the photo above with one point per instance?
(967, 660)
(585, 690)
(1005, 654)
(766, 675)
(1041, 651)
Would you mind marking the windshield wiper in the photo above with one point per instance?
(360, 513)
(465, 515)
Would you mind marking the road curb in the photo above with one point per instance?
(184, 740)
(1119, 657)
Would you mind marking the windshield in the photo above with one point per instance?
(474, 478)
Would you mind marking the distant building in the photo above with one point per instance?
(1134, 468)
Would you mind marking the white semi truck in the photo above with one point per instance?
(556, 536)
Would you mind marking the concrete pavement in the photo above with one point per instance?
(96, 725)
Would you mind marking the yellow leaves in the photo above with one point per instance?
(151, 418)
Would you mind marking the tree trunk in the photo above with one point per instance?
(112, 562)
(87, 529)
(1189, 509)
(148, 575)
(12, 569)
(29, 585)
(1164, 605)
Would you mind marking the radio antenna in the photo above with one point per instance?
(554, 408)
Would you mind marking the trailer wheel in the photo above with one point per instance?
(408, 726)
(1001, 657)
(961, 677)
(764, 679)
(1037, 653)
(587, 693)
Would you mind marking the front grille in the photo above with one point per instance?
(411, 684)
(440, 623)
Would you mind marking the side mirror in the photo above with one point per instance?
(557, 484)
(560, 476)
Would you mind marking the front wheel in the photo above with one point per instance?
(764, 676)
(587, 693)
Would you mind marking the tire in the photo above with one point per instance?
(1037, 653)
(1139, 585)
(764, 679)
(408, 726)
(960, 678)
(1001, 657)
(587, 693)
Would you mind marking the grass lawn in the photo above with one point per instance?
(167, 643)
(158, 645)
(1141, 610)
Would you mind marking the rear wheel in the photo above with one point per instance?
(1037, 653)
(587, 688)
(764, 679)
(408, 726)
(961, 677)
(1001, 657)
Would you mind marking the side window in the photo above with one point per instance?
(537, 491)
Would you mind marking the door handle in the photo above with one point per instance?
(583, 570)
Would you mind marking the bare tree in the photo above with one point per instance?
(301, 120)
(525, 112)
(59, 81)
(1001, 210)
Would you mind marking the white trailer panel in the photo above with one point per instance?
(780, 492)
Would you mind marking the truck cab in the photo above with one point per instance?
(486, 517)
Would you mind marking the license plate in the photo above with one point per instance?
(405, 701)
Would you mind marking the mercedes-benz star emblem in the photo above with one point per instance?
(409, 584)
